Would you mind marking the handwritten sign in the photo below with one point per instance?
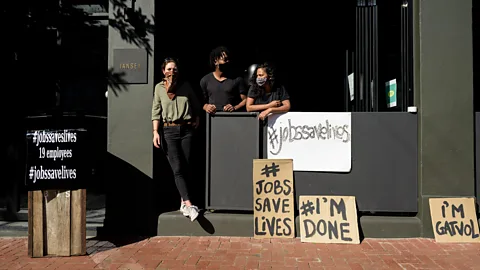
(57, 159)
(273, 198)
(454, 220)
(293, 135)
(328, 219)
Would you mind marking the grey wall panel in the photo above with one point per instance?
(129, 162)
(233, 140)
(384, 164)
(477, 157)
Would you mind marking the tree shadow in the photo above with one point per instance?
(48, 24)
(46, 60)
(133, 26)
(116, 82)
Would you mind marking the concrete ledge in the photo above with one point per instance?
(20, 229)
(208, 224)
(390, 227)
(241, 225)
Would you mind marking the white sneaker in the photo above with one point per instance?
(183, 209)
(192, 212)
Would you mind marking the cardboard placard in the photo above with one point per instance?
(329, 219)
(454, 220)
(273, 199)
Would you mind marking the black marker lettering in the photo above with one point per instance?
(258, 204)
(339, 207)
(257, 232)
(285, 205)
(344, 230)
(288, 227)
(332, 230)
(259, 187)
(458, 210)
(308, 233)
(291, 133)
(288, 187)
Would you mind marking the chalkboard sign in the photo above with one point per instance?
(57, 159)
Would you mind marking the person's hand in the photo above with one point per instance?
(210, 108)
(196, 124)
(228, 108)
(263, 115)
(275, 103)
(156, 139)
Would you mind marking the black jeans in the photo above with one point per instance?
(177, 142)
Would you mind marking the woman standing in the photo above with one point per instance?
(265, 95)
(175, 112)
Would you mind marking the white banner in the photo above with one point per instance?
(316, 141)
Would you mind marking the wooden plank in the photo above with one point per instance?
(37, 224)
(30, 224)
(78, 237)
(57, 213)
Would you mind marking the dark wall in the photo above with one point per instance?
(477, 157)
(307, 44)
(444, 96)
(384, 164)
(131, 191)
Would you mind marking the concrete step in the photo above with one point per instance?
(20, 229)
(241, 225)
(207, 224)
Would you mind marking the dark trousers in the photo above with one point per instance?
(177, 142)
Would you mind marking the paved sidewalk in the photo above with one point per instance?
(248, 253)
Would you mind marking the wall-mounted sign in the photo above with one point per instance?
(57, 159)
(130, 66)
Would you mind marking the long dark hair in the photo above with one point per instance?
(169, 60)
(260, 90)
(178, 78)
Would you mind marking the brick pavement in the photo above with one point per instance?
(247, 253)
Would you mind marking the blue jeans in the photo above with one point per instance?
(177, 142)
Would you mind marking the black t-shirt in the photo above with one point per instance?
(277, 93)
(221, 93)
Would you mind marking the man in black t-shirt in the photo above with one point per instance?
(220, 91)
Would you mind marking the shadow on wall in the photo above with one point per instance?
(134, 200)
(129, 207)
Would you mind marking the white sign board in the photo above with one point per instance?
(316, 141)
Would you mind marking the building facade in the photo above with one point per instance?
(426, 46)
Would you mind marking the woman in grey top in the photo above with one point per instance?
(176, 111)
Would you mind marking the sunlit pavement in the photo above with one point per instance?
(248, 253)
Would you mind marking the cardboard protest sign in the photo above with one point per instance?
(328, 219)
(273, 199)
(454, 220)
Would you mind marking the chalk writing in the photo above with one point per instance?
(56, 159)
(323, 131)
(273, 199)
(454, 227)
(326, 219)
